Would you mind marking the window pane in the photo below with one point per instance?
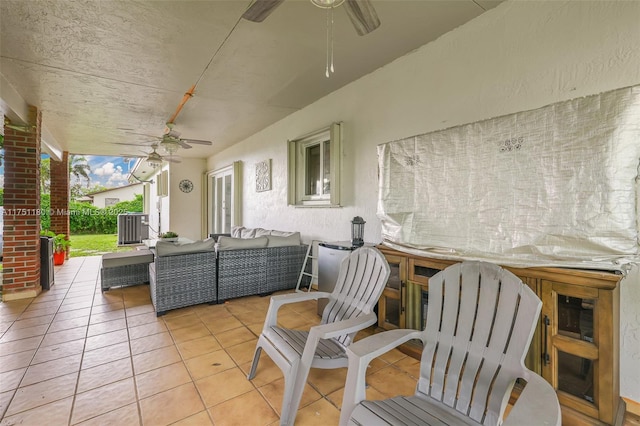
(312, 178)
(575, 317)
(392, 311)
(326, 175)
(575, 375)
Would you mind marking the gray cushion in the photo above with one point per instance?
(236, 231)
(228, 243)
(262, 232)
(164, 248)
(277, 241)
(111, 260)
(247, 233)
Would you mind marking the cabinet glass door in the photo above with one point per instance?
(570, 356)
(391, 304)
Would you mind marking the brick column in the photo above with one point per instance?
(21, 254)
(59, 189)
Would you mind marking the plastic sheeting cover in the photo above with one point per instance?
(553, 186)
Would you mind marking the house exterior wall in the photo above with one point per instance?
(124, 193)
(186, 207)
(516, 57)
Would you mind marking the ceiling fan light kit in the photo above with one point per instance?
(326, 4)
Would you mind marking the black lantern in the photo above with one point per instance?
(357, 231)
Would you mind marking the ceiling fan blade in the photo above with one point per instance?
(197, 141)
(363, 16)
(260, 9)
(184, 144)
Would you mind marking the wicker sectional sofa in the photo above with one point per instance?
(209, 272)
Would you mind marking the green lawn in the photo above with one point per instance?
(95, 244)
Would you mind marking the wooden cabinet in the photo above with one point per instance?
(575, 346)
(391, 306)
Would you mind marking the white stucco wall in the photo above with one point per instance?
(518, 56)
(186, 208)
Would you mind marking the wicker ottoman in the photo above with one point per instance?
(127, 268)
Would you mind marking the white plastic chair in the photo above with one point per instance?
(480, 321)
(362, 277)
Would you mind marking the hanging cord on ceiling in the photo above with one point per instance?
(189, 94)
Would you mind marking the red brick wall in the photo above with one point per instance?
(59, 188)
(21, 253)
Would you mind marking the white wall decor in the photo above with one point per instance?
(263, 176)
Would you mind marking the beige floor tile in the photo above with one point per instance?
(410, 365)
(209, 364)
(24, 333)
(162, 379)
(55, 413)
(235, 413)
(103, 400)
(20, 345)
(293, 321)
(391, 381)
(107, 339)
(135, 308)
(274, 391)
(61, 350)
(124, 416)
(50, 369)
(15, 360)
(85, 312)
(66, 324)
(190, 332)
(104, 374)
(200, 419)
(11, 379)
(5, 399)
(106, 316)
(223, 386)
(107, 305)
(74, 306)
(327, 381)
(198, 347)
(255, 328)
(106, 327)
(243, 352)
(188, 320)
(105, 354)
(149, 343)
(171, 406)
(46, 319)
(146, 330)
(45, 392)
(146, 318)
(234, 337)
(64, 336)
(392, 356)
(221, 325)
(320, 413)
(157, 358)
(255, 317)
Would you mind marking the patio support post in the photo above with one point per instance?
(60, 196)
(21, 253)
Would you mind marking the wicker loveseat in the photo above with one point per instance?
(208, 272)
(262, 264)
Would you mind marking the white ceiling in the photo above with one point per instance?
(112, 71)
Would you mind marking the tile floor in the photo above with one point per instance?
(73, 355)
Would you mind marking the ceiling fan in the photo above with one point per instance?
(171, 142)
(361, 12)
(152, 158)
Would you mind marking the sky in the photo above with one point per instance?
(106, 171)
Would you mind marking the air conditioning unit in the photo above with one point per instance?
(132, 228)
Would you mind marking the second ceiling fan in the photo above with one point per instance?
(361, 12)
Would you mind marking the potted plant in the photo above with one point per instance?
(60, 246)
(169, 236)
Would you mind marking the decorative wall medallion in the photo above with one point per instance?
(186, 185)
(263, 176)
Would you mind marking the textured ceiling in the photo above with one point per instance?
(113, 71)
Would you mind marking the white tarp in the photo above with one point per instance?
(557, 185)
